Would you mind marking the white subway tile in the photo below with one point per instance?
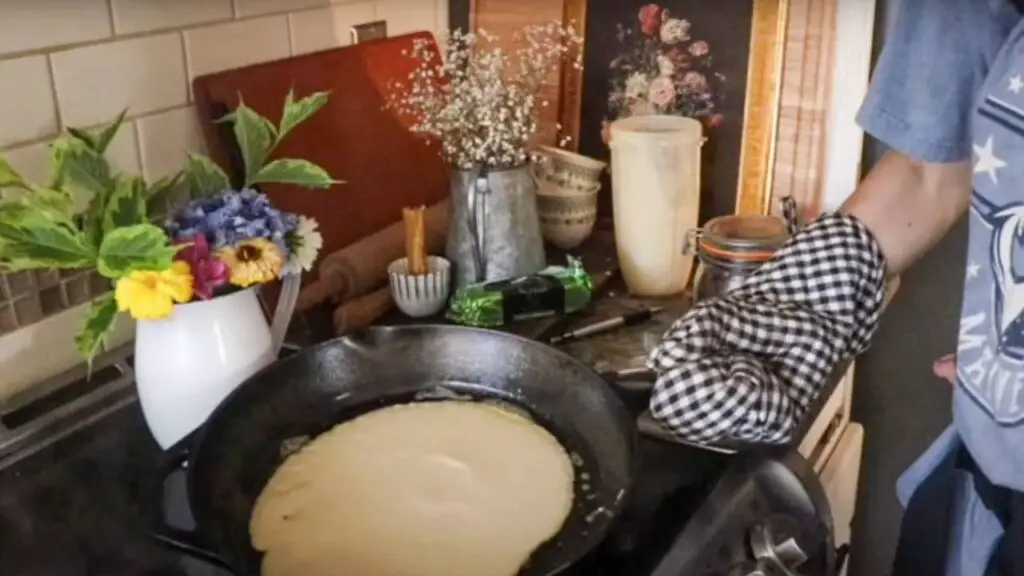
(245, 8)
(131, 16)
(32, 162)
(95, 83)
(315, 30)
(124, 332)
(34, 24)
(165, 138)
(405, 16)
(123, 152)
(39, 351)
(27, 111)
(225, 46)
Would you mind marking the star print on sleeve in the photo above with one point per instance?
(972, 270)
(1016, 84)
(988, 162)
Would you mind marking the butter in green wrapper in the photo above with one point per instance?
(554, 290)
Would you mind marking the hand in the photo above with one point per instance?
(945, 368)
(747, 366)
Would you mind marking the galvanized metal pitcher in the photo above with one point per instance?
(494, 232)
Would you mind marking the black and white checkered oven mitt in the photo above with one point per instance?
(747, 366)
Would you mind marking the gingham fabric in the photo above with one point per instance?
(747, 366)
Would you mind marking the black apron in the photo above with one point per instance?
(927, 521)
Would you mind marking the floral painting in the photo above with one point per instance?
(664, 68)
(680, 57)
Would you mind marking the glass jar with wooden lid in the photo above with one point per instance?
(730, 248)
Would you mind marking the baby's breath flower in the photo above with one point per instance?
(479, 100)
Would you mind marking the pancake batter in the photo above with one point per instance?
(454, 488)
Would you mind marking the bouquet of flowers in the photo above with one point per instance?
(228, 238)
(664, 70)
(480, 100)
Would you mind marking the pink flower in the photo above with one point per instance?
(662, 93)
(679, 58)
(694, 82)
(715, 120)
(207, 272)
(699, 48)
(650, 19)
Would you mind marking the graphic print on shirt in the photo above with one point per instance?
(990, 353)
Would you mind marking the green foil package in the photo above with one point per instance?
(554, 290)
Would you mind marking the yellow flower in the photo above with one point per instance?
(252, 262)
(151, 294)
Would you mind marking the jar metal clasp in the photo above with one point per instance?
(690, 240)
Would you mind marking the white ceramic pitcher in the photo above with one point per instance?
(187, 363)
(656, 199)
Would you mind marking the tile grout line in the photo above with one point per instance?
(129, 118)
(189, 97)
(114, 37)
(137, 135)
(291, 34)
(57, 114)
(110, 18)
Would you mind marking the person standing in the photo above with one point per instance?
(947, 99)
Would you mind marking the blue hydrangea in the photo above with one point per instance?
(231, 217)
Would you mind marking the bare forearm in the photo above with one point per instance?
(909, 205)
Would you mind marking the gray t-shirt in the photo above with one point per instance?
(950, 86)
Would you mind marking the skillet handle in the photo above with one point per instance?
(187, 542)
(633, 387)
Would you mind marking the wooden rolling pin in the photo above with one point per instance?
(361, 267)
(362, 311)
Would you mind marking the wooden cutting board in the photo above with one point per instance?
(384, 166)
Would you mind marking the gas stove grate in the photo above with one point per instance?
(65, 404)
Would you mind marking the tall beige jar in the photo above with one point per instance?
(656, 199)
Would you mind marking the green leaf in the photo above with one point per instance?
(165, 192)
(100, 141)
(86, 171)
(163, 185)
(9, 177)
(127, 205)
(294, 171)
(56, 204)
(58, 151)
(86, 176)
(298, 112)
(99, 323)
(204, 177)
(138, 247)
(31, 238)
(256, 138)
(107, 134)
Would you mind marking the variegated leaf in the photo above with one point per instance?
(99, 323)
(138, 247)
(294, 171)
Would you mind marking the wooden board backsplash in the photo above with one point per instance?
(504, 19)
(355, 137)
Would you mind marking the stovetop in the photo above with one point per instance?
(72, 500)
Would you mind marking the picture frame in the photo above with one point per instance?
(793, 110)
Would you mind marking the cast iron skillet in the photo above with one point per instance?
(280, 408)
